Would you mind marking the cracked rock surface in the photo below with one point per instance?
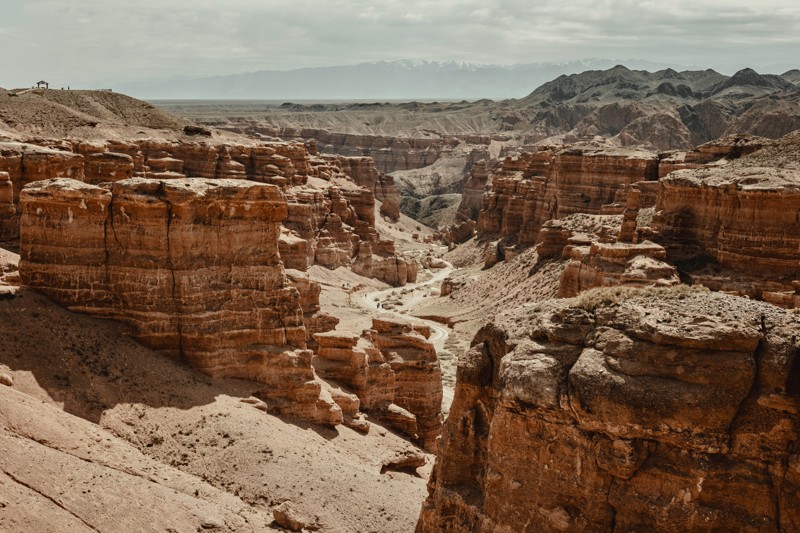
(625, 409)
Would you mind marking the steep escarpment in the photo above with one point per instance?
(331, 218)
(393, 369)
(739, 218)
(533, 187)
(191, 265)
(669, 410)
(732, 225)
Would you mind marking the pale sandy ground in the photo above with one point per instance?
(354, 299)
(97, 429)
(96, 425)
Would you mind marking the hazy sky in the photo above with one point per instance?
(84, 41)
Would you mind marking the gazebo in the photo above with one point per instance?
(42, 85)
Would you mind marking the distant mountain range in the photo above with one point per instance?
(382, 80)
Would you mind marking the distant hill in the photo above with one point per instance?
(382, 80)
(665, 109)
(80, 114)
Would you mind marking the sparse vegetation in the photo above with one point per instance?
(610, 296)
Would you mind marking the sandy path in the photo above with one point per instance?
(411, 296)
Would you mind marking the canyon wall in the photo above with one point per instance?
(659, 409)
(331, 218)
(732, 227)
(393, 370)
(390, 153)
(529, 189)
(191, 265)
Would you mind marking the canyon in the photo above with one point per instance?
(242, 322)
(429, 147)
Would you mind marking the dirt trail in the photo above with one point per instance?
(405, 300)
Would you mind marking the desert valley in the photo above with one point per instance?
(578, 310)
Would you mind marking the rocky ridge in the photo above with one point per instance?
(331, 219)
(675, 410)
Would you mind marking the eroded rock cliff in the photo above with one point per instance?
(533, 187)
(191, 265)
(732, 225)
(660, 409)
(393, 369)
(331, 217)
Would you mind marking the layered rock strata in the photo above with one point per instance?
(474, 190)
(191, 265)
(26, 163)
(393, 370)
(8, 211)
(389, 153)
(732, 227)
(669, 410)
(363, 172)
(331, 220)
(616, 264)
(551, 183)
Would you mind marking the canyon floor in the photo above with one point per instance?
(116, 424)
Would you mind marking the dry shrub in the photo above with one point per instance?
(608, 296)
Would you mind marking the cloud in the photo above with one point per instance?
(116, 39)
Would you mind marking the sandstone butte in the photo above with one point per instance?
(331, 216)
(624, 409)
(197, 267)
(192, 265)
(722, 215)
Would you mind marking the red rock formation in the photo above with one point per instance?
(8, 211)
(616, 264)
(380, 261)
(418, 376)
(26, 163)
(474, 190)
(107, 166)
(389, 153)
(552, 183)
(389, 195)
(393, 370)
(314, 320)
(786, 299)
(732, 227)
(328, 222)
(668, 410)
(457, 233)
(191, 265)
